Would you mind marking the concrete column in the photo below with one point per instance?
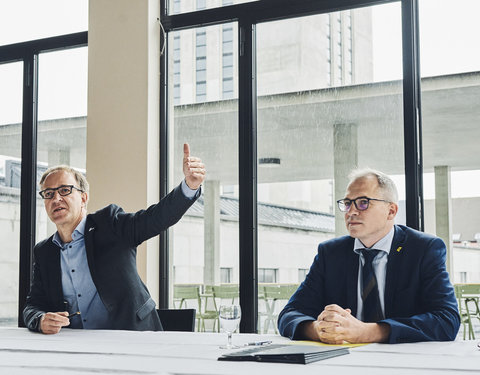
(211, 209)
(443, 212)
(123, 113)
(345, 158)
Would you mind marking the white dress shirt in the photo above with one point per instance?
(379, 265)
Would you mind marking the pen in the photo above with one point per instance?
(258, 343)
(73, 314)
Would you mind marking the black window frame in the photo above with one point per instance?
(248, 15)
(28, 52)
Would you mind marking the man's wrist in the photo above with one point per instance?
(38, 322)
(187, 190)
(306, 330)
(378, 332)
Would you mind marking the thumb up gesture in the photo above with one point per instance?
(193, 169)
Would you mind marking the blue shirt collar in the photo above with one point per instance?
(77, 233)
(383, 244)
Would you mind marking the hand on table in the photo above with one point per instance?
(52, 322)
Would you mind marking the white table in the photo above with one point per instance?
(178, 353)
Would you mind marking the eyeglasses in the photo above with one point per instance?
(361, 203)
(62, 190)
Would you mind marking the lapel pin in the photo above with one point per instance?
(399, 249)
(92, 228)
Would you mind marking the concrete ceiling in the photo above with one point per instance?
(298, 128)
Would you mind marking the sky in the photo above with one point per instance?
(448, 40)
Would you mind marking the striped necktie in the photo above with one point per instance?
(372, 310)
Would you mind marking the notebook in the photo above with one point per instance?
(281, 353)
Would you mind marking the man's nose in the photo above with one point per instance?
(56, 196)
(352, 210)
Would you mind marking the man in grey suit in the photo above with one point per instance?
(85, 275)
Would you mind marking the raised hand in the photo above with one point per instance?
(193, 169)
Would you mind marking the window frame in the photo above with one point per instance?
(28, 53)
(248, 15)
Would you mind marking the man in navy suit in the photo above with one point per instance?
(383, 283)
(85, 275)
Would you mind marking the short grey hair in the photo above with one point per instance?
(79, 177)
(386, 185)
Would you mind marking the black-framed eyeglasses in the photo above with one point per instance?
(361, 203)
(63, 190)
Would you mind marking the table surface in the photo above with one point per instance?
(182, 353)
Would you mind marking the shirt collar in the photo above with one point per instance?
(77, 233)
(384, 244)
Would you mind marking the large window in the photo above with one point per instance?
(204, 243)
(311, 135)
(62, 118)
(39, 94)
(10, 172)
(320, 92)
(450, 67)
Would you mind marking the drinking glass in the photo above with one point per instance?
(229, 316)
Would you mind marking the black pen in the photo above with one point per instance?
(258, 343)
(73, 314)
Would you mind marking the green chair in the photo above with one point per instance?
(468, 296)
(182, 293)
(272, 294)
(188, 294)
(224, 294)
(209, 311)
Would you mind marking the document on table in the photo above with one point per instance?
(281, 353)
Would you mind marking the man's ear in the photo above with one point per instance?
(84, 199)
(392, 211)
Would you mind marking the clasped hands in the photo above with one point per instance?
(336, 325)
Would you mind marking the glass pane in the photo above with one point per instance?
(62, 118)
(205, 242)
(322, 111)
(22, 20)
(11, 76)
(184, 6)
(450, 64)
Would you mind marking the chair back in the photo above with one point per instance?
(183, 293)
(467, 290)
(279, 291)
(177, 319)
(226, 292)
(468, 296)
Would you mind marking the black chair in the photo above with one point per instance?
(177, 319)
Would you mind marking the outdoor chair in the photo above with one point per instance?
(272, 294)
(468, 296)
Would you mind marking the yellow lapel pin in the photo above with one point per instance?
(399, 249)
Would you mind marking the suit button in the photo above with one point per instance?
(73, 270)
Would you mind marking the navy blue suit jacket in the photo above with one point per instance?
(420, 303)
(111, 240)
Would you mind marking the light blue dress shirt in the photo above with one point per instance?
(79, 291)
(379, 267)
